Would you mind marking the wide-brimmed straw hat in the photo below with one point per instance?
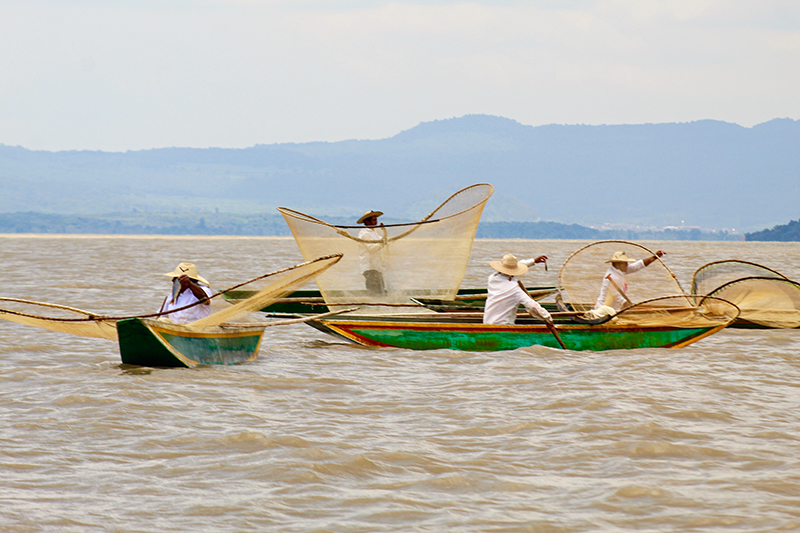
(509, 266)
(369, 214)
(190, 270)
(620, 257)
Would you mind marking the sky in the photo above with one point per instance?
(130, 75)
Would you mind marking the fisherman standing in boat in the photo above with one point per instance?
(188, 287)
(371, 255)
(505, 293)
(614, 286)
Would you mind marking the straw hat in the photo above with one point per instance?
(509, 266)
(620, 257)
(369, 214)
(190, 270)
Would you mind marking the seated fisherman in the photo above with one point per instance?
(188, 288)
(505, 293)
(614, 286)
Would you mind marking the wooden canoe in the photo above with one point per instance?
(468, 333)
(158, 343)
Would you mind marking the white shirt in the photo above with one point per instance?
(504, 298)
(187, 315)
(370, 256)
(619, 278)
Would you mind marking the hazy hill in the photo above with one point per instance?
(783, 232)
(707, 173)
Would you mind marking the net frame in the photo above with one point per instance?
(426, 259)
(713, 275)
(581, 275)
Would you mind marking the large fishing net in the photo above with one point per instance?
(422, 259)
(266, 289)
(59, 318)
(581, 276)
(767, 301)
(711, 276)
(678, 312)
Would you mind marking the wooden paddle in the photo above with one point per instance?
(620, 291)
(550, 325)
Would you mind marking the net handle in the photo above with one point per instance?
(426, 220)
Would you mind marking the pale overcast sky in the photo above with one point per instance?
(127, 75)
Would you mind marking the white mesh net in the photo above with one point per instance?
(711, 276)
(425, 259)
(270, 287)
(581, 276)
(677, 312)
(767, 301)
(58, 318)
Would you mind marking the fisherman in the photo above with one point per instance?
(371, 255)
(505, 293)
(612, 291)
(188, 288)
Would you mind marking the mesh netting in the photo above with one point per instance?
(424, 259)
(270, 287)
(677, 312)
(768, 301)
(269, 290)
(59, 318)
(709, 277)
(581, 276)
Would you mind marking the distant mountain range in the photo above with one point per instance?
(705, 174)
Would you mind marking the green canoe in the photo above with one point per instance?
(468, 333)
(157, 343)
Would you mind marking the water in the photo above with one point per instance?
(317, 435)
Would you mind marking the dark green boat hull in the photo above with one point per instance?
(154, 343)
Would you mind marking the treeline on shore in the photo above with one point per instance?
(784, 232)
(148, 223)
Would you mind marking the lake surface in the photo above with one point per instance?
(318, 435)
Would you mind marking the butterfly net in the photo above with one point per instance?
(767, 301)
(581, 276)
(424, 259)
(265, 290)
(678, 312)
(59, 318)
(709, 277)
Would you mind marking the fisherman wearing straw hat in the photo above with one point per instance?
(188, 287)
(371, 255)
(621, 265)
(505, 293)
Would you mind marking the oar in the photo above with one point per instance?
(550, 325)
(622, 293)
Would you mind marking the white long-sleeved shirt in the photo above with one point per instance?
(503, 299)
(618, 276)
(187, 315)
(371, 256)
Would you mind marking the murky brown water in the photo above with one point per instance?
(317, 435)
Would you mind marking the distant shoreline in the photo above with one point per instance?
(147, 224)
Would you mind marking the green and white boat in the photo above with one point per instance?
(159, 343)
(660, 323)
